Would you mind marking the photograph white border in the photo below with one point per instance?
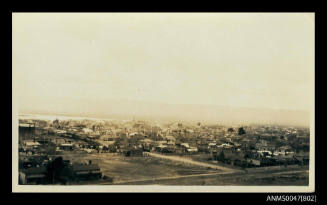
(154, 188)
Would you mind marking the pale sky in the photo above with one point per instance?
(226, 59)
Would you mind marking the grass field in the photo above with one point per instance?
(150, 170)
(126, 169)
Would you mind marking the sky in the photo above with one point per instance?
(251, 60)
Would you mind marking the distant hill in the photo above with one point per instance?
(158, 111)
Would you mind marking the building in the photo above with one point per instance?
(26, 130)
(165, 149)
(229, 156)
(170, 140)
(58, 141)
(87, 130)
(32, 175)
(192, 150)
(66, 147)
(185, 145)
(254, 162)
(31, 144)
(87, 171)
(134, 153)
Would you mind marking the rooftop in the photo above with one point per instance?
(86, 167)
(28, 143)
(34, 170)
(26, 125)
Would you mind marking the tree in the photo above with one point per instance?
(246, 155)
(231, 129)
(54, 168)
(241, 131)
(221, 156)
(291, 138)
(58, 171)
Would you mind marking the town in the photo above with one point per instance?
(89, 151)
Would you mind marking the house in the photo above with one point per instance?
(254, 162)
(147, 144)
(163, 142)
(110, 137)
(160, 148)
(286, 159)
(170, 140)
(66, 147)
(86, 171)
(58, 141)
(264, 152)
(285, 148)
(225, 145)
(147, 141)
(32, 175)
(108, 146)
(26, 130)
(186, 145)
(87, 130)
(302, 160)
(134, 153)
(60, 131)
(133, 134)
(230, 156)
(212, 145)
(192, 150)
(106, 143)
(203, 148)
(31, 144)
(165, 149)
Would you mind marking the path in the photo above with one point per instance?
(190, 161)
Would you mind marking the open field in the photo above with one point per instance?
(179, 171)
(130, 169)
(296, 178)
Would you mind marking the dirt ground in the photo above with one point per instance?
(149, 170)
(125, 169)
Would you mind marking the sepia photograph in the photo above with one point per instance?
(163, 102)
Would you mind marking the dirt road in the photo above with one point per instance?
(192, 162)
(157, 179)
(225, 176)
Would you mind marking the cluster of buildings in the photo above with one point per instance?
(47, 170)
(245, 146)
